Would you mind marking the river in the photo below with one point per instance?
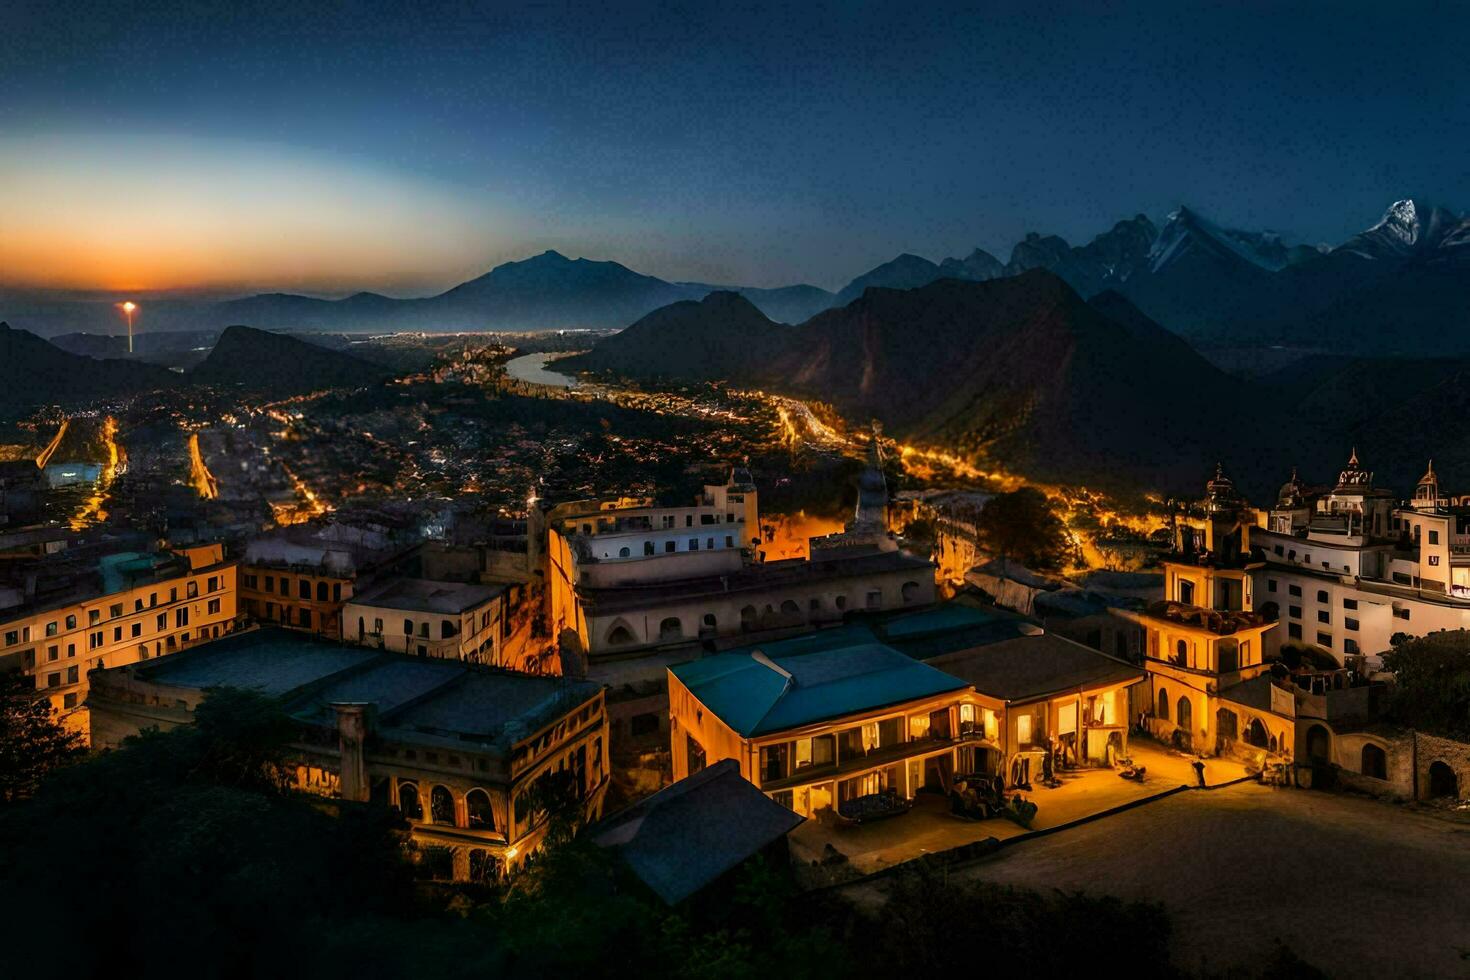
(531, 368)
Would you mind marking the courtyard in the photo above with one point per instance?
(1354, 886)
(930, 828)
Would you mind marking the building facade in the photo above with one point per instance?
(134, 606)
(427, 618)
(464, 752)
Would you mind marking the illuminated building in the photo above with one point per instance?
(899, 703)
(125, 607)
(459, 749)
(625, 575)
(1205, 636)
(300, 577)
(1347, 567)
(453, 620)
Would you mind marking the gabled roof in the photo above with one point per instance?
(787, 684)
(683, 838)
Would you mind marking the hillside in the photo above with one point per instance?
(40, 373)
(1019, 370)
(721, 337)
(265, 362)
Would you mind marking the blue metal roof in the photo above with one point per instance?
(831, 675)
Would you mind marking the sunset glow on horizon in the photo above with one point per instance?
(139, 215)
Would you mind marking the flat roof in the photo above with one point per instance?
(754, 578)
(418, 699)
(427, 595)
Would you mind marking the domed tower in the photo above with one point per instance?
(1223, 529)
(1426, 494)
(1361, 510)
(1293, 509)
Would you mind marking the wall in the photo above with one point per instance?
(1430, 749)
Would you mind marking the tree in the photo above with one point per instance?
(33, 741)
(1432, 688)
(1023, 527)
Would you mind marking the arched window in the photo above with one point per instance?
(709, 620)
(408, 627)
(647, 548)
(477, 808)
(1374, 762)
(619, 636)
(447, 628)
(408, 801)
(910, 592)
(790, 608)
(625, 553)
(1163, 711)
(1442, 781)
(441, 806)
(1181, 653)
(1257, 735)
(670, 629)
(841, 602)
(321, 592)
(1182, 718)
(361, 628)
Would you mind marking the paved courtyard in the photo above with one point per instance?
(1353, 886)
(930, 827)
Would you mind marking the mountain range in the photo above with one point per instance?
(1401, 287)
(254, 360)
(1025, 371)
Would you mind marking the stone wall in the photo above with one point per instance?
(1430, 749)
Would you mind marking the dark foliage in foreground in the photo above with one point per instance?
(185, 852)
(1432, 689)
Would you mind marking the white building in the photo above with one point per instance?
(626, 575)
(451, 620)
(1347, 567)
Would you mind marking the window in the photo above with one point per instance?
(250, 582)
(1434, 537)
(1349, 603)
(1348, 623)
(875, 599)
(95, 640)
(1324, 640)
(52, 628)
(441, 806)
(670, 547)
(841, 602)
(1401, 614)
(1349, 645)
(73, 675)
(214, 608)
(1271, 584)
(477, 808)
(12, 637)
(729, 541)
(181, 616)
(408, 627)
(1295, 590)
(71, 649)
(53, 680)
(71, 622)
(212, 584)
(1294, 630)
(1374, 762)
(647, 548)
(625, 552)
(693, 544)
(1322, 596)
(1323, 616)
(773, 762)
(94, 616)
(1295, 612)
(408, 801)
(69, 701)
(117, 634)
(53, 652)
(137, 629)
(1186, 592)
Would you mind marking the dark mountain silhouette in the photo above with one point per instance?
(788, 304)
(40, 373)
(1020, 370)
(905, 272)
(720, 337)
(978, 266)
(260, 361)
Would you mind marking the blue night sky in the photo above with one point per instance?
(225, 145)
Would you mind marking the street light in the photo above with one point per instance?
(128, 309)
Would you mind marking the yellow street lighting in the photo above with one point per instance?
(128, 308)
